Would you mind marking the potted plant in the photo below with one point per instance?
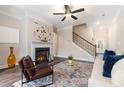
(70, 59)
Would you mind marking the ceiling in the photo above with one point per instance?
(93, 14)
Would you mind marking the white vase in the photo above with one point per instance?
(70, 61)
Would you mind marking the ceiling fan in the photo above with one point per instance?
(68, 12)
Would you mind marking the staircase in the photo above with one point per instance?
(84, 44)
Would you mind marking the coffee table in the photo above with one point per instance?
(70, 70)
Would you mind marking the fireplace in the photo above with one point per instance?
(42, 55)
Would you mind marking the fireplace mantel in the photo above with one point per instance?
(37, 41)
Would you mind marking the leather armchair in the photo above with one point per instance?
(32, 72)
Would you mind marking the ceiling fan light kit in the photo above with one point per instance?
(69, 13)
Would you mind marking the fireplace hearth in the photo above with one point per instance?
(42, 55)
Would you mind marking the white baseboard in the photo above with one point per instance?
(82, 59)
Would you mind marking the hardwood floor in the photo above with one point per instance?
(9, 76)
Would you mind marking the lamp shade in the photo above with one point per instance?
(118, 73)
(9, 35)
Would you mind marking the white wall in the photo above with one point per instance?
(55, 43)
(116, 35)
(23, 43)
(9, 22)
(101, 36)
(84, 31)
(9, 35)
(66, 46)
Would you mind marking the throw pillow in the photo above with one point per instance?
(110, 60)
(108, 52)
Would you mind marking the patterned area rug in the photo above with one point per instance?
(65, 75)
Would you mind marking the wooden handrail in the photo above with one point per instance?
(84, 39)
(76, 40)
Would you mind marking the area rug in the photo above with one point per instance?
(65, 75)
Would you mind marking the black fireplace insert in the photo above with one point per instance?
(42, 55)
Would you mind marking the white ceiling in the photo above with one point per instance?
(91, 15)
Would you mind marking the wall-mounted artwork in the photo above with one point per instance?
(41, 32)
(100, 44)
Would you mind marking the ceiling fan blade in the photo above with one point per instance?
(74, 17)
(58, 13)
(78, 10)
(63, 18)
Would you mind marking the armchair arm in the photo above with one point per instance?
(52, 63)
(28, 68)
(41, 66)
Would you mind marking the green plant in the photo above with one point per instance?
(70, 57)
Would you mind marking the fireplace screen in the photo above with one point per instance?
(42, 55)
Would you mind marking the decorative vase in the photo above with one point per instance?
(11, 59)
